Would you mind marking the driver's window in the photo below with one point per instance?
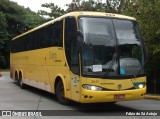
(71, 44)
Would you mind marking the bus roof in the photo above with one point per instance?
(76, 14)
(101, 14)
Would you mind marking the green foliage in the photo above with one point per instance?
(32, 19)
(3, 31)
(55, 11)
(113, 6)
(18, 18)
(3, 38)
(148, 16)
(14, 20)
(90, 5)
(147, 13)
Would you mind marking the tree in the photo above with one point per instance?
(19, 19)
(112, 6)
(148, 15)
(32, 19)
(147, 12)
(90, 5)
(3, 31)
(3, 38)
(55, 10)
(15, 19)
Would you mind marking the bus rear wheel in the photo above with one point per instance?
(21, 84)
(60, 93)
(16, 78)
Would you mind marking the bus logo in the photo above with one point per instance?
(6, 113)
(119, 86)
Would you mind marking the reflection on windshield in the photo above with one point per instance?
(99, 32)
(111, 47)
(126, 32)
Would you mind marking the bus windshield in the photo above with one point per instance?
(111, 47)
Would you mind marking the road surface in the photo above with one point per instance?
(14, 98)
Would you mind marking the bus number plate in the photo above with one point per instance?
(119, 96)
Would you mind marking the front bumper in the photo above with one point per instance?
(89, 96)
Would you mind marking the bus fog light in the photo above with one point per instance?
(90, 87)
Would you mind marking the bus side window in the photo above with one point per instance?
(71, 44)
(58, 33)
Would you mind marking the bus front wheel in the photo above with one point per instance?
(60, 93)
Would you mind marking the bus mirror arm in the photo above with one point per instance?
(79, 40)
(80, 34)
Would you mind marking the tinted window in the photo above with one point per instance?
(48, 36)
(71, 44)
(58, 33)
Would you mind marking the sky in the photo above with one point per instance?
(35, 5)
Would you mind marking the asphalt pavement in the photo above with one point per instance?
(31, 99)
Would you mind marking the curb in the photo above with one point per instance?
(152, 97)
(3, 74)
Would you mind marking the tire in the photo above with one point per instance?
(111, 103)
(60, 93)
(21, 84)
(16, 78)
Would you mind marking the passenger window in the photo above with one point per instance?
(58, 33)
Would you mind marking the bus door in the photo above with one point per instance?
(75, 71)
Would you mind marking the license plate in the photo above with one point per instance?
(119, 96)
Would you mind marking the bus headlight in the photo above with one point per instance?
(90, 87)
(140, 85)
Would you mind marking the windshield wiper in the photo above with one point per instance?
(115, 56)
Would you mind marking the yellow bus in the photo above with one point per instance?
(87, 57)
